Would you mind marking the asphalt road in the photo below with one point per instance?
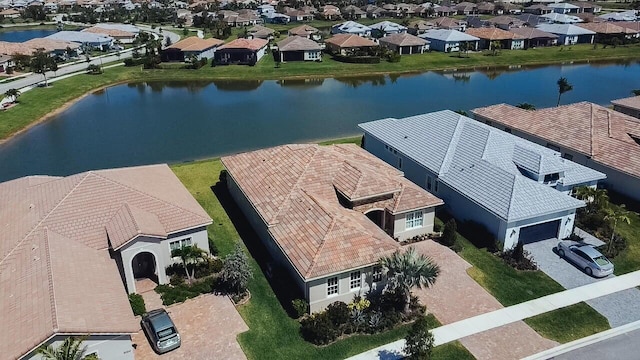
(33, 79)
(622, 347)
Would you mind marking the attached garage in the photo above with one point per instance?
(539, 232)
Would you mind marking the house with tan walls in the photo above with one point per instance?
(73, 247)
(327, 214)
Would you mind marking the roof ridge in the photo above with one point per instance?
(52, 293)
(133, 218)
(513, 192)
(322, 244)
(45, 217)
(143, 193)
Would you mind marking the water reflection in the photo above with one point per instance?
(237, 85)
(356, 81)
(301, 83)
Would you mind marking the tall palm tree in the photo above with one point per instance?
(70, 349)
(563, 87)
(189, 255)
(409, 269)
(615, 215)
(13, 94)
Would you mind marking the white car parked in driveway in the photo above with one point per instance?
(586, 257)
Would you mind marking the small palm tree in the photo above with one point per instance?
(495, 47)
(409, 269)
(596, 199)
(615, 215)
(189, 255)
(563, 87)
(526, 106)
(70, 349)
(13, 94)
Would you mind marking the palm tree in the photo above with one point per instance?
(41, 62)
(463, 48)
(189, 255)
(495, 47)
(563, 87)
(615, 215)
(526, 106)
(13, 94)
(70, 349)
(409, 269)
(595, 198)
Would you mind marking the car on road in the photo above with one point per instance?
(160, 330)
(586, 257)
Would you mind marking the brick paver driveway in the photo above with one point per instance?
(456, 296)
(208, 327)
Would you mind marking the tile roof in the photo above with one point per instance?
(533, 33)
(388, 26)
(349, 41)
(595, 131)
(447, 35)
(481, 162)
(303, 30)
(251, 44)
(293, 188)
(493, 34)
(630, 102)
(116, 33)
(565, 29)
(403, 39)
(350, 27)
(606, 28)
(631, 25)
(298, 43)
(260, 31)
(194, 43)
(45, 220)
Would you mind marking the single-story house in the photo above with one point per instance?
(373, 11)
(56, 48)
(508, 40)
(75, 246)
(10, 14)
(418, 27)
(189, 47)
(306, 31)
(564, 8)
(241, 51)
(629, 15)
(531, 20)
(505, 22)
(404, 44)
(633, 26)
(298, 48)
(351, 27)
(538, 9)
(518, 190)
(444, 11)
(346, 44)
(466, 8)
(276, 18)
(327, 214)
(94, 41)
(589, 134)
(561, 18)
(569, 34)
(260, 32)
(385, 28)
(448, 40)
(587, 7)
(299, 15)
(608, 30)
(330, 12)
(353, 12)
(5, 62)
(124, 37)
(450, 23)
(535, 37)
(629, 106)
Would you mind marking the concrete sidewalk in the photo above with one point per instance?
(508, 315)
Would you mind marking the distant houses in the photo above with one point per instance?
(241, 51)
(449, 40)
(404, 44)
(298, 48)
(191, 47)
(349, 44)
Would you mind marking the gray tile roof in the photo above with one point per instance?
(481, 162)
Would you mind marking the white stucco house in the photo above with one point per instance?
(517, 189)
(351, 27)
(73, 247)
(327, 214)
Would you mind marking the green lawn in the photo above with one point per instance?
(629, 260)
(272, 331)
(570, 323)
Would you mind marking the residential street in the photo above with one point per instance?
(620, 308)
(622, 347)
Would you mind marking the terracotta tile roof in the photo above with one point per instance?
(251, 44)
(632, 25)
(606, 28)
(630, 102)
(303, 30)
(115, 33)
(603, 134)
(130, 222)
(45, 220)
(533, 33)
(493, 34)
(297, 43)
(350, 41)
(293, 188)
(194, 43)
(403, 39)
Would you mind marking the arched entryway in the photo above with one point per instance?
(377, 217)
(145, 271)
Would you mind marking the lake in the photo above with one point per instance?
(24, 35)
(143, 123)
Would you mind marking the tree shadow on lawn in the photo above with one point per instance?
(280, 280)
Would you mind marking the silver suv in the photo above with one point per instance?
(160, 330)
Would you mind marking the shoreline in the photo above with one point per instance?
(149, 77)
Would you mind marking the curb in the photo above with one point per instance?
(589, 340)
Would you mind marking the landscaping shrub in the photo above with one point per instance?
(318, 329)
(449, 235)
(176, 280)
(614, 247)
(393, 57)
(574, 237)
(180, 293)
(137, 304)
(133, 62)
(339, 313)
(519, 258)
(419, 340)
(437, 227)
(213, 249)
(236, 272)
(300, 306)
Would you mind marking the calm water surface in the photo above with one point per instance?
(24, 35)
(171, 122)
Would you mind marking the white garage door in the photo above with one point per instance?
(539, 232)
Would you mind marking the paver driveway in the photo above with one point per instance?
(456, 296)
(619, 308)
(208, 327)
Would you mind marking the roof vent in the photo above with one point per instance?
(34, 247)
(31, 206)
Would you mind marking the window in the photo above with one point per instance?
(428, 182)
(551, 177)
(377, 274)
(356, 280)
(332, 285)
(413, 220)
(399, 163)
(173, 245)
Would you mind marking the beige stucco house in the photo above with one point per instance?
(327, 214)
(72, 247)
